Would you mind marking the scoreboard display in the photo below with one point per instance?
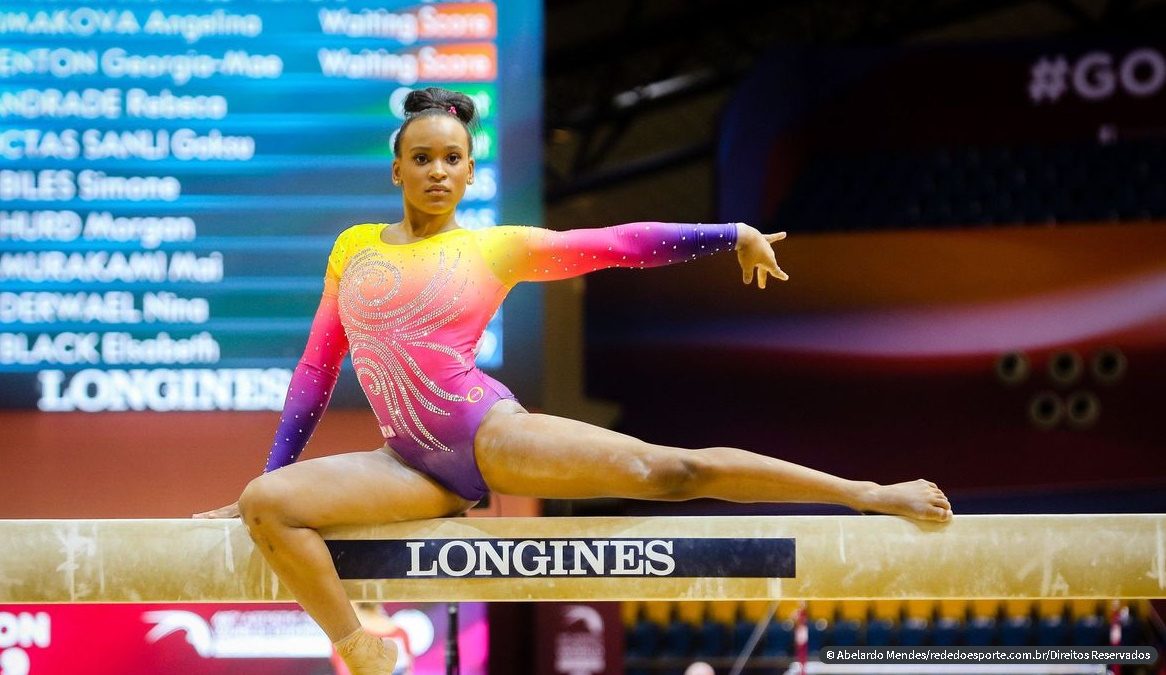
(173, 175)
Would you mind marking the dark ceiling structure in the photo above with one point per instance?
(633, 88)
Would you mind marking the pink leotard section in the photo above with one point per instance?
(412, 315)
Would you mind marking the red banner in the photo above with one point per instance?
(203, 639)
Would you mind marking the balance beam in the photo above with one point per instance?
(575, 559)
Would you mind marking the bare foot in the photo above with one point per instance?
(365, 654)
(920, 499)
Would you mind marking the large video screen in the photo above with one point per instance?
(173, 175)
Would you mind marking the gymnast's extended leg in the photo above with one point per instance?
(283, 509)
(554, 457)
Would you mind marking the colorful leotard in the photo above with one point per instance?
(412, 315)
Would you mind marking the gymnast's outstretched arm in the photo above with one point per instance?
(518, 253)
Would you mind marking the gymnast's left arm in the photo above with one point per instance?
(534, 254)
(312, 382)
(310, 389)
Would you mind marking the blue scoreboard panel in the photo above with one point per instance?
(173, 174)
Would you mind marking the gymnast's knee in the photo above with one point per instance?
(675, 476)
(264, 503)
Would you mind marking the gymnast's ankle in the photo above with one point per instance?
(365, 654)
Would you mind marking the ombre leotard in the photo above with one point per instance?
(412, 314)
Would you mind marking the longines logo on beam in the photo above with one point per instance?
(517, 558)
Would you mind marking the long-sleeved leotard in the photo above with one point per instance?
(412, 315)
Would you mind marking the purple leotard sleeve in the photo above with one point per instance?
(534, 254)
(312, 381)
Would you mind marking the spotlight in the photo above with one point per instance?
(1046, 410)
(1082, 409)
(1065, 367)
(1108, 365)
(1012, 368)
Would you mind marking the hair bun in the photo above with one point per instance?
(433, 101)
(436, 98)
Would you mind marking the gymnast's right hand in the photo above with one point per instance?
(755, 254)
(228, 511)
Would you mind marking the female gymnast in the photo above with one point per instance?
(410, 301)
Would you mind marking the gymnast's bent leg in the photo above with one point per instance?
(554, 457)
(283, 509)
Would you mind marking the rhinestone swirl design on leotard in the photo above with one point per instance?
(385, 332)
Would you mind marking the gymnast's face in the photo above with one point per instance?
(435, 164)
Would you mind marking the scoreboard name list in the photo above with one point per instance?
(171, 182)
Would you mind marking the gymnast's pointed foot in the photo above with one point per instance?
(365, 654)
(919, 499)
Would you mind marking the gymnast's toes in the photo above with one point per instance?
(918, 499)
